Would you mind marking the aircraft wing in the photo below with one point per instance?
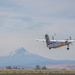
(42, 40)
(71, 41)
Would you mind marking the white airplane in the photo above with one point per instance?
(56, 43)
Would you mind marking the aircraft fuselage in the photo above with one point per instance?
(57, 44)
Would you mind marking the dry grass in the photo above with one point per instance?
(11, 71)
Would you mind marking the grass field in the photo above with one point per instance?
(13, 71)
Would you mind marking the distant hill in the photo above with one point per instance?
(22, 57)
(61, 66)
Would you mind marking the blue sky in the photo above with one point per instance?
(23, 20)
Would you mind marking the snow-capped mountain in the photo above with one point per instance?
(22, 57)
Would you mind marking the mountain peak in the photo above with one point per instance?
(20, 50)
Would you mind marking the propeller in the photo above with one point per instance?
(70, 38)
(53, 37)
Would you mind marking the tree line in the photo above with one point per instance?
(37, 67)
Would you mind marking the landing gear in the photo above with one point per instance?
(49, 47)
(67, 47)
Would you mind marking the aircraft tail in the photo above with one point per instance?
(47, 39)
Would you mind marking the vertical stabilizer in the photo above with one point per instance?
(47, 39)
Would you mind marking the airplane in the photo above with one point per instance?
(56, 43)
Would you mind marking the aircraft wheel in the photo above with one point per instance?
(49, 48)
(67, 48)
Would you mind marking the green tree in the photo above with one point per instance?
(37, 67)
(8, 67)
(44, 68)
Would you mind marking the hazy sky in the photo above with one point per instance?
(22, 21)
